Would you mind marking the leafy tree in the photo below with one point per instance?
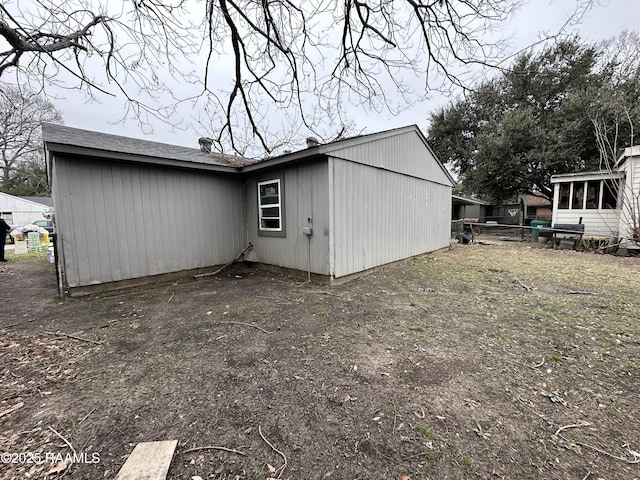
(308, 57)
(513, 133)
(28, 179)
(21, 155)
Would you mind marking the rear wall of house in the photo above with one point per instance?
(306, 204)
(118, 221)
(381, 216)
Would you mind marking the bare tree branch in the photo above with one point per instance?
(21, 112)
(311, 60)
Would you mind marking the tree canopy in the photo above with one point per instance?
(550, 112)
(246, 58)
(22, 168)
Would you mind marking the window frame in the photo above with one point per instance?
(279, 204)
(577, 201)
(564, 195)
(588, 198)
(604, 192)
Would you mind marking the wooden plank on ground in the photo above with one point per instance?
(148, 461)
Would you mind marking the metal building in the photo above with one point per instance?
(128, 209)
(19, 211)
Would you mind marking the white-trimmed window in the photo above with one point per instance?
(588, 194)
(270, 206)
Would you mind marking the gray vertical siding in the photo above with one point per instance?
(119, 221)
(372, 202)
(306, 195)
(380, 217)
(404, 153)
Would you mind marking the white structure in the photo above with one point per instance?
(18, 211)
(629, 165)
(606, 202)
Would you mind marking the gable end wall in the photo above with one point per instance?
(120, 221)
(380, 216)
(405, 153)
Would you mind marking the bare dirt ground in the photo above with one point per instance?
(485, 361)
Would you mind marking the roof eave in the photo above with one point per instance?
(57, 148)
(25, 200)
(586, 175)
(313, 153)
(470, 201)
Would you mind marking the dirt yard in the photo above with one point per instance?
(489, 361)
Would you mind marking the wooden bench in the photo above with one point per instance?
(574, 231)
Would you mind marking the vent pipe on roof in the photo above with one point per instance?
(205, 144)
(312, 142)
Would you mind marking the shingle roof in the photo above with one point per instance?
(60, 134)
(62, 139)
(536, 201)
(48, 201)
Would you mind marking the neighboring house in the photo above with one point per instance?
(129, 209)
(18, 211)
(469, 207)
(534, 208)
(606, 202)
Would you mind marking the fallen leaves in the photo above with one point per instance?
(30, 363)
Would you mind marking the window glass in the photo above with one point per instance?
(609, 194)
(578, 196)
(563, 201)
(593, 194)
(269, 206)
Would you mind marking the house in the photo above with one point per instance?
(469, 207)
(534, 207)
(606, 202)
(127, 209)
(23, 210)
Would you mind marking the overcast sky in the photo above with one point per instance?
(605, 20)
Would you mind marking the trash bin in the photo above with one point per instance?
(535, 225)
